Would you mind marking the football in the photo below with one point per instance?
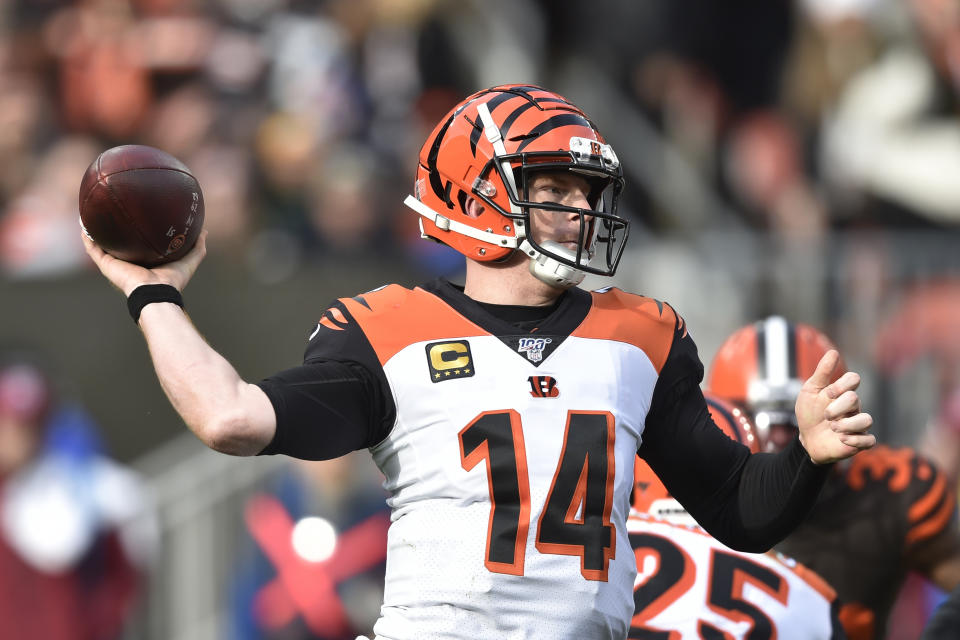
(141, 205)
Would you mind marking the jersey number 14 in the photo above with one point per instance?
(576, 518)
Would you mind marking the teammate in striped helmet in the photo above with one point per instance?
(879, 516)
(681, 588)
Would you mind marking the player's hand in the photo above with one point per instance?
(832, 426)
(127, 276)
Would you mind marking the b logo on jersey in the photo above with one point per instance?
(449, 360)
(543, 387)
(533, 347)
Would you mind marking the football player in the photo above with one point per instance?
(879, 515)
(505, 413)
(694, 587)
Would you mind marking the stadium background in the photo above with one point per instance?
(781, 157)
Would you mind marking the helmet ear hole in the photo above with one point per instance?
(472, 207)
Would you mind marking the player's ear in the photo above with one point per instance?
(472, 207)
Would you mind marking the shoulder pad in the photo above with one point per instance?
(394, 317)
(646, 323)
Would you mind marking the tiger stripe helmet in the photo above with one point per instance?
(762, 367)
(649, 494)
(486, 148)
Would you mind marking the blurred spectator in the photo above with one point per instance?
(103, 77)
(921, 328)
(38, 226)
(891, 142)
(316, 554)
(75, 529)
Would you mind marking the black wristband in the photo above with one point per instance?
(148, 293)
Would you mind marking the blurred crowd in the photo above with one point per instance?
(302, 119)
(803, 155)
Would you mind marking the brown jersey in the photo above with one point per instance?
(881, 514)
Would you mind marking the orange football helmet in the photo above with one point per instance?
(762, 367)
(649, 494)
(486, 148)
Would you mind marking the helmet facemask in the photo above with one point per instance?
(602, 233)
(763, 366)
(775, 419)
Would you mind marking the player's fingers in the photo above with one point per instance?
(847, 382)
(848, 403)
(195, 256)
(861, 441)
(92, 249)
(824, 371)
(857, 424)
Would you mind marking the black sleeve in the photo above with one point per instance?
(324, 409)
(337, 401)
(748, 502)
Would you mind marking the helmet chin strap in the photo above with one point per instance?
(550, 270)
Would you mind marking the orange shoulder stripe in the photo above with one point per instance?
(933, 526)
(395, 317)
(927, 527)
(643, 322)
(924, 505)
(813, 579)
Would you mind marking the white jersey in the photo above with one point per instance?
(509, 464)
(692, 586)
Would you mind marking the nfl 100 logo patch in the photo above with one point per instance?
(533, 347)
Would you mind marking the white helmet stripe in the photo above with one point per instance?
(776, 349)
(496, 139)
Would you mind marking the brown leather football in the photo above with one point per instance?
(141, 205)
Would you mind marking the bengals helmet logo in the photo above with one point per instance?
(543, 387)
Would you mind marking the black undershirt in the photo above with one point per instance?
(522, 317)
(326, 409)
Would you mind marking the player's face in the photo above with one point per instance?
(779, 436)
(19, 440)
(776, 426)
(564, 188)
